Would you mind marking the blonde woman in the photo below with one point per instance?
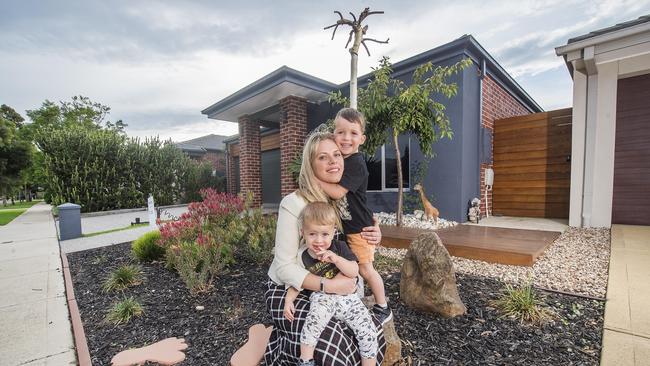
(321, 160)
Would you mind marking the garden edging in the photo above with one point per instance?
(80, 342)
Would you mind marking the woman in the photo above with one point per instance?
(321, 160)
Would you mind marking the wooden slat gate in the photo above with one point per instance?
(532, 165)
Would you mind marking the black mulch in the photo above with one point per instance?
(237, 302)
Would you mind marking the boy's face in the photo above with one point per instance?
(318, 237)
(348, 136)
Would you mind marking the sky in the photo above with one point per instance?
(157, 64)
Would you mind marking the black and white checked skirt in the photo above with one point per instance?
(336, 346)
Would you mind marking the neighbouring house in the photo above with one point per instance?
(207, 148)
(610, 165)
(276, 112)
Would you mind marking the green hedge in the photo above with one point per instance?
(105, 170)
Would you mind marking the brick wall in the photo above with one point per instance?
(230, 173)
(497, 104)
(250, 178)
(218, 160)
(293, 130)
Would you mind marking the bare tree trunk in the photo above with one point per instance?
(400, 184)
(353, 79)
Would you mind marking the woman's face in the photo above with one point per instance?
(328, 163)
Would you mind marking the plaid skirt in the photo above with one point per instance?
(336, 346)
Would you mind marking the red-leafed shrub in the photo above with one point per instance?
(205, 239)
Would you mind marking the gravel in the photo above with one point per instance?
(416, 219)
(577, 262)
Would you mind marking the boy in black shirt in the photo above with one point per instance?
(349, 128)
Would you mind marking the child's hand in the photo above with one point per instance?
(289, 309)
(329, 257)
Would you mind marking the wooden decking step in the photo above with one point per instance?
(491, 244)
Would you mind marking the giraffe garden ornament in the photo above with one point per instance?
(430, 212)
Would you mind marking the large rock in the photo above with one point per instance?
(393, 352)
(428, 280)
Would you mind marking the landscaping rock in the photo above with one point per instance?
(393, 344)
(428, 280)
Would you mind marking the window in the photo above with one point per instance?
(382, 167)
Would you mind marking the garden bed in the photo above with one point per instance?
(237, 302)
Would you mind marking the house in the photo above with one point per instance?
(610, 148)
(207, 148)
(276, 112)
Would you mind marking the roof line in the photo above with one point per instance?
(268, 81)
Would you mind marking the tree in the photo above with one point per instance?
(79, 111)
(15, 153)
(389, 105)
(358, 32)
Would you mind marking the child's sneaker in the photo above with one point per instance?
(382, 314)
(306, 363)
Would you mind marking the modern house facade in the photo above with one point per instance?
(276, 112)
(207, 148)
(610, 166)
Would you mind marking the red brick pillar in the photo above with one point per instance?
(250, 177)
(230, 173)
(293, 130)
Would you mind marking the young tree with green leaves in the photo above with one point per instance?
(391, 106)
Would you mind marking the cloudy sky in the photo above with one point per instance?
(157, 64)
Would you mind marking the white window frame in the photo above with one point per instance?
(383, 171)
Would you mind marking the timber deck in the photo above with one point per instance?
(490, 244)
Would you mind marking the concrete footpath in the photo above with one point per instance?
(35, 323)
(626, 338)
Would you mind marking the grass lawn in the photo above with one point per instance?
(113, 230)
(10, 212)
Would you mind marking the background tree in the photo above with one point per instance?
(15, 153)
(390, 106)
(357, 33)
(80, 111)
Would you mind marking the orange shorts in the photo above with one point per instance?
(365, 252)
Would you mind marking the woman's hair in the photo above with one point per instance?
(308, 187)
(318, 213)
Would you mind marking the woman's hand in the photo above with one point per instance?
(341, 285)
(289, 309)
(372, 234)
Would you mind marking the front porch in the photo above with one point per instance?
(273, 114)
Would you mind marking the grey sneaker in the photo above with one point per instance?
(306, 363)
(383, 315)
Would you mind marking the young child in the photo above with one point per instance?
(349, 128)
(326, 258)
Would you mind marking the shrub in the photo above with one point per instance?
(522, 304)
(103, 169)
(146, 248)
(259, 239)
(123, 277)
(197, 265)
(123, 311)
(199, 245)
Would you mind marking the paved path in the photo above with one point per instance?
(34, 319)
(626, 338)
(526, 223)
(103, 240)
(96, 223)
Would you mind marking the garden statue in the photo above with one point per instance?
(166, 352)
(430, 212)
(252, 352)
(474, 213)
(428, 280)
